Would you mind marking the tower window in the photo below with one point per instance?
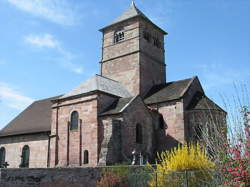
(119, 36)
(139, 133)
(2, 156)
(74, 120)
(157, 43)
(25, 157)
(147, 36)
(86, 157)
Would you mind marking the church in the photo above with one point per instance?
(129, 109)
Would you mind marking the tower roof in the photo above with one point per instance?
(131, 12)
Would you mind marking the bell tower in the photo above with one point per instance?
(133, 52)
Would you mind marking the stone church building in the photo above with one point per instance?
(129, 107)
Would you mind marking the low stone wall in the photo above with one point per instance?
(50, 177)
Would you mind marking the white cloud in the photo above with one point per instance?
(45, 40)
(58, 11)
(13, 98)
(66, 58)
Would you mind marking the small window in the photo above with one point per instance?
(157, 43)
(25, 157)
(147, 36)
(139, 134)
(86, 157)
(161, 122)
(2, 157)
(119, 36)
(74, 120)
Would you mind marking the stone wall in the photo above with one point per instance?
(38, 144)
(152, 58)
(173, 119)
(120, 61)
(137, 113)
(134, 62)
(67, 146)
(110, 144)
(207, 120)
(50, 177)
(64, 177)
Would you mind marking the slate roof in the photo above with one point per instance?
(118, 106)
(168, 91)
(35, 118)
(99, 83)
(131, 12)
(203, 103)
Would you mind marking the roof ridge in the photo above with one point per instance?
(190, 82)
(52, 98)
(131, 100)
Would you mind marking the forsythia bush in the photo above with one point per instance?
(186, 157)
(182, 158)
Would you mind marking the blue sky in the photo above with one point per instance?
(47, 47)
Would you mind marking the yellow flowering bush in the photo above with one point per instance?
(182, 158)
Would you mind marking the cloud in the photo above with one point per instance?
(66, 58)
(58, 11)
(13, 98)
(45, 40)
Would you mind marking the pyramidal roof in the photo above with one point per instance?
(133, 11)
(99, 83)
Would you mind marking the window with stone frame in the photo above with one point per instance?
(147, 36)
(2, 157)
(138, 133)
(74, 120)
(119, 36)
(25, 157)
(85, 157)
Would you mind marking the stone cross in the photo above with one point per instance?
(5, 165)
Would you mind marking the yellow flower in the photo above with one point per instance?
(183, 157)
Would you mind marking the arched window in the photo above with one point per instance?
(138, 133)
(147, 36)
(161, 122)
(74, 120)
(25, 157)
(119, 36)
(86, 157)
(2, 156)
